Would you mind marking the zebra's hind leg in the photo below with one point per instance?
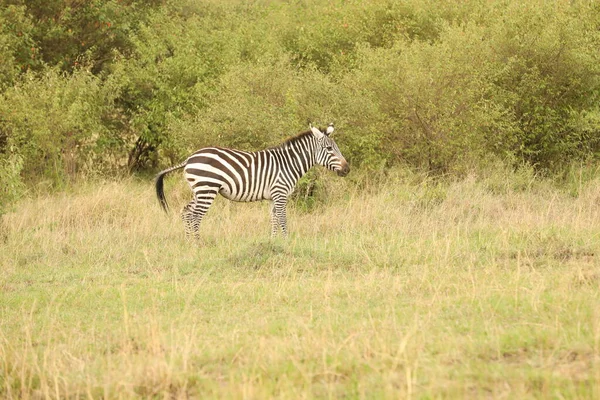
(195, 210)
(189, 221)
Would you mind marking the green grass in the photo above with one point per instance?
(415, 290)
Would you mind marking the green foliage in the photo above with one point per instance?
(165, 79)
(17, 47)
(11, 185)
(64, 33)
(309, 192)
(55, 123)
(547, 79)
(441, 87)
(525, 90)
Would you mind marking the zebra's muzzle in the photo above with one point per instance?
(344, 170)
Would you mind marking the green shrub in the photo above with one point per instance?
(426, 99)
(63, 34)
(17, 46)
(55, 123)
(546, 78)
(524, 86)
(11, 185)
(443, 88)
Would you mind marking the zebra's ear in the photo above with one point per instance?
(318, 134)
(329, 130)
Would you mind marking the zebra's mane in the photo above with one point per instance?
(291, 140)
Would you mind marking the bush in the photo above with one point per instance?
(54, 123)
(63, 34)
(440, 87)
(525, 90)
(11, 185)
(17, 46)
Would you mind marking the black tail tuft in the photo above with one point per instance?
(159, 184)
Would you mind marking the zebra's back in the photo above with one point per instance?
(235, 174)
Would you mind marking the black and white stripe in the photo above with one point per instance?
(269, 174)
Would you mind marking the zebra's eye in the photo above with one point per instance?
(328, 148)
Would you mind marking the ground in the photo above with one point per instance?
(463, 289)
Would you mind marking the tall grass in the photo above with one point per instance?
(412, 288)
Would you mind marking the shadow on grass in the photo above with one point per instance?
(299, 256)
(259, 255)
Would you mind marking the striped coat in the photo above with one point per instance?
(269, 174)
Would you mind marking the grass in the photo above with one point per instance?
(469, 289)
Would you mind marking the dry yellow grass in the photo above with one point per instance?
(475, 288)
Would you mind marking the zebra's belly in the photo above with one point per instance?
(244, 196)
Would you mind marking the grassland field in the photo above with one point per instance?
(406, 288)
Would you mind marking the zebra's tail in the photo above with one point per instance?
(158, 182)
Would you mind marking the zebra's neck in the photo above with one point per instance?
(296, 155)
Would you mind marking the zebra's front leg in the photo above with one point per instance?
(274, 221)
(278, 216)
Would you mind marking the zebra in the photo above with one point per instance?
(269, 174)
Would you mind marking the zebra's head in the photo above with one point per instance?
(327, 153)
